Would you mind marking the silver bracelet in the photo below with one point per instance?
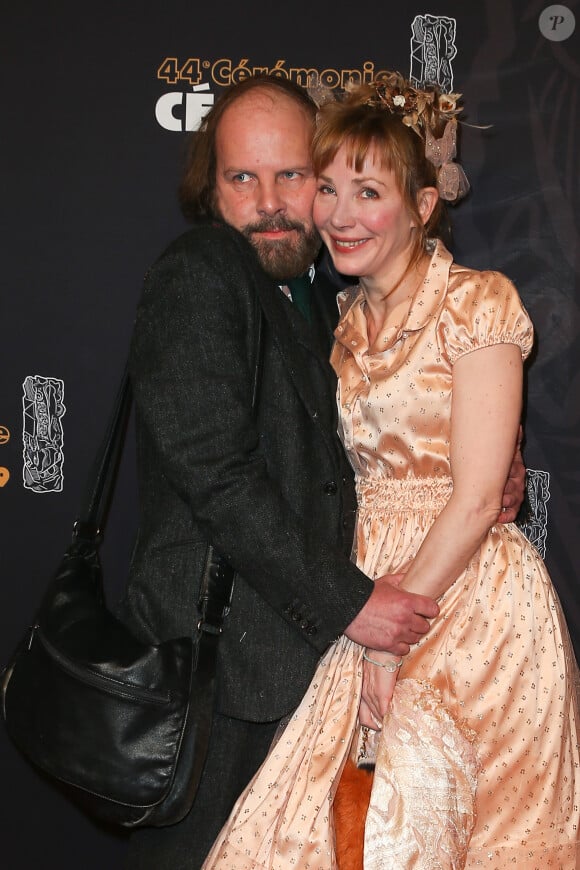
(390, 665)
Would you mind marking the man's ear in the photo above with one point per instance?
(426, 202)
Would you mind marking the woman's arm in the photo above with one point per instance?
(487, 391)
(485, 415)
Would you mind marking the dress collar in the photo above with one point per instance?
(426, 301)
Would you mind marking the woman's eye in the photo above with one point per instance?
(369, 193)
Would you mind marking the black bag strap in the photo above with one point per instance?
(217, 583)
(97, 497)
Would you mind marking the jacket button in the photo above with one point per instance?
(296, 616)
(330, 487)
(311, 630)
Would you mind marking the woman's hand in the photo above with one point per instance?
(377, 687)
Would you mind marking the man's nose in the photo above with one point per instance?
(269, 199)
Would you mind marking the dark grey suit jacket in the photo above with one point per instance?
(269, 494)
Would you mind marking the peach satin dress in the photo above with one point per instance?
(478, 760)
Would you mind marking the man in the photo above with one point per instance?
(269, 490)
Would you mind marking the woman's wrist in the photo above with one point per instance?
(389, 663)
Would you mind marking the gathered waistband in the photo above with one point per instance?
(413, 493)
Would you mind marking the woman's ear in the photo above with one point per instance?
(426, 202)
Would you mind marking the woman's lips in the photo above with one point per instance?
(347, 245)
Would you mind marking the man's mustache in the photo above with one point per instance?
(269, 225)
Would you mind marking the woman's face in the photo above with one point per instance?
(363, 219)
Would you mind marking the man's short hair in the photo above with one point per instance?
(197, 187)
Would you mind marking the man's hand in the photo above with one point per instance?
(392, 619)
(515, 487)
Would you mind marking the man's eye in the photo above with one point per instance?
(242, 177)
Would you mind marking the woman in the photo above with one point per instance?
(475, 733)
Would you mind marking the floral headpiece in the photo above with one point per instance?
(424, 111)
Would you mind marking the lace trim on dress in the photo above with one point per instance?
(422, 809)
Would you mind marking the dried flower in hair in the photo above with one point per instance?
(425, 111)
(448, 103)
(318, 93)
(429, 113)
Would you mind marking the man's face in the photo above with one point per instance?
(265, 186)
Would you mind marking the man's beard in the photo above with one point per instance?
(283, 258)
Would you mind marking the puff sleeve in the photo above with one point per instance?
(482, 309)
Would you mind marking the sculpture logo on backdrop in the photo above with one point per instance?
(42, 435)
(535, 527)
(432, 50)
